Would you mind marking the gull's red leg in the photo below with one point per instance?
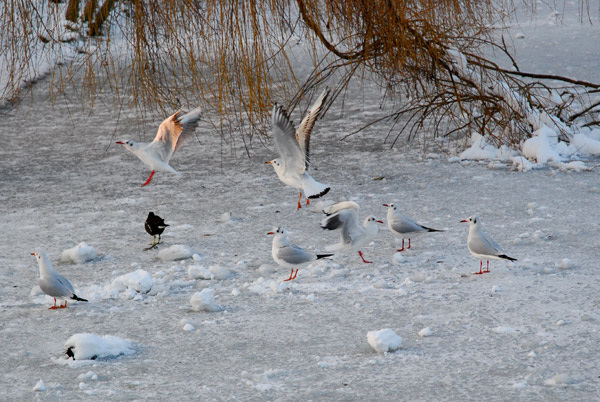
(363, 258)
(402, 249)
(488, 267)
(295, 273)
(65, 306)
(290, 278)
(299, 198)
(149, 179)
(308, 201)
(408, 244)
(480, 266)
(53, 307)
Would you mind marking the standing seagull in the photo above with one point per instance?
(154, 225)
(293, 146)
(344, 215)
(52, 283)
(402, 225)
(289, 255)
(483, 247)
(169, 138)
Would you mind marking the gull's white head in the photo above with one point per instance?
(371, 221)
(43, 261)
(391, 208)
(277, 165)
(472, 221)
(279, 235)
(130, 145)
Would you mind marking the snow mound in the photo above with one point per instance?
(79, 254)
(205, 301)
(585, 144)
(542, 146)
(40, 386)
(384, 340)
(90, 375)
(481, 150)
(139, 281)
(91, 346)
(565, 263)
(176, 252)
(220, 273)
(560, 379)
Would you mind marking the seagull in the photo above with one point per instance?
(293, 146)
(169, 138)
(288, 255)
(402, 225)
(344, 215)
(52, 283)
(154, 225)
(483, 247)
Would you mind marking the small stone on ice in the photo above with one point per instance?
(40, 386)
(425, 332)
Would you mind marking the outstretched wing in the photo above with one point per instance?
(347, 221)
(173, 131)
(340, 206)
(307, 124)
(285, 140)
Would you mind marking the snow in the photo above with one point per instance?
(384, 340)
(205, 301)
(176, 252)
(86, 346)
(79, 254)
(541, 146)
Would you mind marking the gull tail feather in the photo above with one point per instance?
(75, 297)
(312, 188)
(504, 256)
(319, 256)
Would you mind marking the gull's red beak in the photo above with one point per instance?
(379, 221)
(271, 233)
(385, 205)
(269, 162)
(464, 220)
(120, 142)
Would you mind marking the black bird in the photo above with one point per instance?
(154, 225)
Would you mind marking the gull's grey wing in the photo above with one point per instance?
(332, 209)
(285, 141)
(347, 221)
(306, 126)
(294, 255)
(65, 282)
(173, 131)
(483, 245)
(55, 286)
(405, 225)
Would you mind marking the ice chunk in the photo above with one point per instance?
(79, 254)
(384, 340)
(425, 332)
(40, 386)
(176, 252)
(205, 301)
(139, 281)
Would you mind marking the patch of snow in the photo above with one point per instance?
(565, 263)
(560, 380)
(384, 340)
(188, 327)
(79, 254)
(90, 375)
(139, 281)
(199, 272)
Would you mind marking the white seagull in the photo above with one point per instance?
(288, 255)
(404, 226)
(483, 247)
(171, 134)
(294, 148)
(354, 236)
(52, 283)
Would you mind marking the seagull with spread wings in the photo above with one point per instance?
(354, 236)
(294, 148)
(171, 134)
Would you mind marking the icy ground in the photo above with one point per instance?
(525, 331)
